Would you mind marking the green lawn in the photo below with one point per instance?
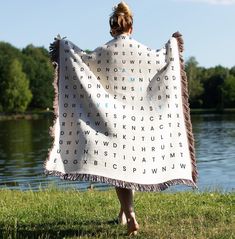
(55, 213)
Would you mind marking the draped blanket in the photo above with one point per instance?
(122, 115)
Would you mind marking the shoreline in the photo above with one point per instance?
(213, 111)
(30, 115)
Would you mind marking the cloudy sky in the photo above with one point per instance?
(207, 25)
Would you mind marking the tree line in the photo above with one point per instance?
(212, 87)
(26, 77)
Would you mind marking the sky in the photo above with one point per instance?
(208, 26)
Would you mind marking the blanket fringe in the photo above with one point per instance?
(186, 109)
(120, 183)
(54, 52)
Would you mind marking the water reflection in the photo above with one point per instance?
(215, 146)
(24, 145)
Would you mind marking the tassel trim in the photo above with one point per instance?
(120, 183)
(186, 108)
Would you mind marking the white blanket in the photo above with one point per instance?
(122, 115)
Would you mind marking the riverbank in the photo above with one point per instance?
(213, 111)
(36, 114)
(55, 213)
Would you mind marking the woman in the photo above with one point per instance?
(122, 116)
(121, 22)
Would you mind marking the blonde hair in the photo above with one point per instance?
(121, 19)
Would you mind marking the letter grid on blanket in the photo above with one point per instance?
(122, 115)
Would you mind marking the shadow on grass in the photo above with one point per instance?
(61, 230)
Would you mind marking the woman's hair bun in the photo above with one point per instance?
(121, 19)
(122, 8)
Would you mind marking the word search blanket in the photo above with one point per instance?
(122, 115)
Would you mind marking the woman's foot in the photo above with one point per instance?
(132, 226)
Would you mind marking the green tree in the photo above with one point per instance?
(16, 89)
(37, 65)
(232, 71)
(228, 90)
(194, 80)
(213, 81)
(7, 54)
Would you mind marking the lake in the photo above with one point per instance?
(24, 145)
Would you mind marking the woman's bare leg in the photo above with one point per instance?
(125, 197)
(122, 217)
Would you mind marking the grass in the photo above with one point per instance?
(56, 213)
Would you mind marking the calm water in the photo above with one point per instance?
(24, 145)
